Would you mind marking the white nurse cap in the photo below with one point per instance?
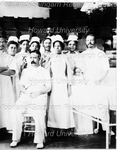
(24, 37)
(35, 39)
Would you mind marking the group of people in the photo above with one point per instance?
(44, 81)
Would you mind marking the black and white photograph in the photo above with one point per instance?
(58, 74)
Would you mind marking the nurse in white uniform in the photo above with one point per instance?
(12, 48)
(22, 56)
(7, 97)
(60, 115)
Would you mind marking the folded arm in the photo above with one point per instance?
(8, 72)
(3, 69)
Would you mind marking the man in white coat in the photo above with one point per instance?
(97, 67)
(34, 84)
(97, 64)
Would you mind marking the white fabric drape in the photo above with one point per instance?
(23, 9)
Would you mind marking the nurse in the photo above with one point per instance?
(34, 43)
(23, 55)
(7, 97)
(78, 84)
(73, 54)
(12, 48)
(12, 45)
(60, 114)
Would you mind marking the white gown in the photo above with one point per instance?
(83, 125)
(7, 96)
(60, 113)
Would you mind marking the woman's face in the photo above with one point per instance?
(34, 46)
(24, 46)
(72, 46)
(57, 48)
(12, 49)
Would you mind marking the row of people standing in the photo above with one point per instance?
(93, 67)
(59, 69)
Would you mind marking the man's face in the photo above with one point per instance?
(24, 45)
(12, 49)
(34, 59)
(90, 41)
(2, 43)
(47, 45)
(49, 31)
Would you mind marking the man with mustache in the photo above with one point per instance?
(97, 64)
(34, 86)
(97, 67)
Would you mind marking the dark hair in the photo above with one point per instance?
(35, 51)
(12, 42)
(91, 34)
(76, 42)
(47, 39)
(23, 41)
(62, 44)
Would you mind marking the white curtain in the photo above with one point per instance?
(23, 9)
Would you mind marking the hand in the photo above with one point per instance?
(77, 71)
(23, 63)
(34, 94)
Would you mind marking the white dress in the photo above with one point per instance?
(7, 96)
(83, 125)
(60, 111)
